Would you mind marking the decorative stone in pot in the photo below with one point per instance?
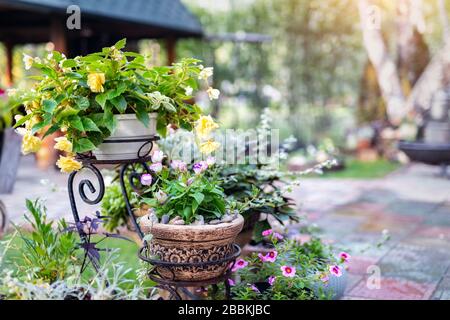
(192, 244)
(128, 128)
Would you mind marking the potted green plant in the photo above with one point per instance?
(190, 221)
(107, 97)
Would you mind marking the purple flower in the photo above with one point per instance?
(200, 167)
(156, 167)
(288, 271)
(267, 232)
(271, 280)
(335, 271)
(190, 180)
(254, 288)
(277, 236)
(231, 282)
(146, 179)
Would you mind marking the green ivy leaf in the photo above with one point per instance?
(142, 115)
(69, 63)
(83, 145)
(101, 99)
(75, 122)
(120, 103)
(49, 105)
(89, 125)
(82, 103)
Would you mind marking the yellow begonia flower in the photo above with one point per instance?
(205, 125)
(68, 164)
(63, 144)
(209, 146)
(30, 143)
(32, 122)
(96, 81)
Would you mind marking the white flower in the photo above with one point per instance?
(157, 156)
(205, 73)
(188, 91)
(161, 196)
(156, 167)
(211, 161)
(28, 61)
(11, 92)
(213, 93)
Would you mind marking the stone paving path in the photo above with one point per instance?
(413, 204)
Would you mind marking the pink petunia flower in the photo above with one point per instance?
(324, 277)
(156, 167)
(269, 257)
(240, 264)
(271, 280)
(231, 282)
(345, 257)
(288, 271)
(146, 179)
(267, 232)
(335, 271)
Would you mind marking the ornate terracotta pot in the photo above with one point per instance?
(192, 244)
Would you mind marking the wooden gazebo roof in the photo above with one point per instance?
(103, 22)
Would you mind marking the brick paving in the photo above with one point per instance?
(411, 204)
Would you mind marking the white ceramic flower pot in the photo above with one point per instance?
(128, 128)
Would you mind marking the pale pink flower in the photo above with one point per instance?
(288, 271)
(179, 165)
(267, 232)
(269, 257)
(239, 264)
(324, 277)
(190, 180)
(161, 196)
(335, 271)
(146, 179)
(157, 156)
(211, 161)
(277, 236)
(345, 257)
(271, 280)
(156, 167)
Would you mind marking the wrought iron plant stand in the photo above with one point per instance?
(129, 170)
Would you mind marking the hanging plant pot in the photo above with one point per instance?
(181, 250)
(122, 144)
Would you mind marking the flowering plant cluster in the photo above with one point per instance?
(80, 97)
(179, 190)
(289, 271)
(7, 110)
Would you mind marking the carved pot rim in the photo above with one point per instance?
(195, 233)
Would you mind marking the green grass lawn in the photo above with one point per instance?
(356, 169)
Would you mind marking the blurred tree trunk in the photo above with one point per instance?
(387, 73)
